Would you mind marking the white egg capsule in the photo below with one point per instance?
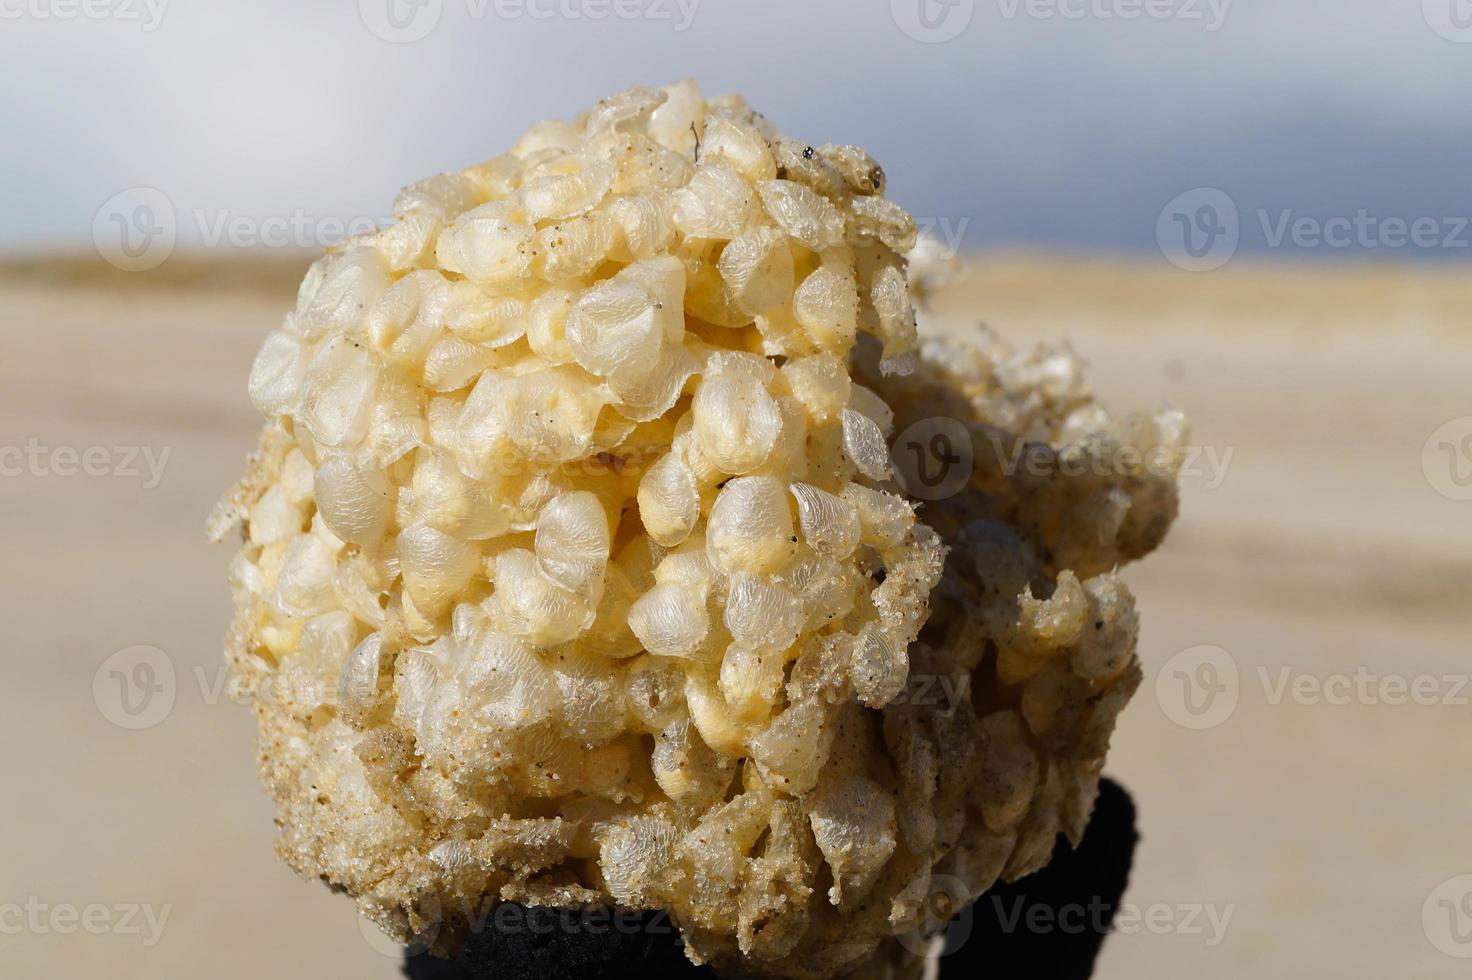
(355, 500)
(750, 526)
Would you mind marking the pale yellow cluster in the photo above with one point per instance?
(575, 573)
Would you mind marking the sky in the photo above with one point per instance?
(1312, 128)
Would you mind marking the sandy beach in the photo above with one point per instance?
(1300, 834)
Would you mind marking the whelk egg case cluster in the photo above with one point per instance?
(575, 571)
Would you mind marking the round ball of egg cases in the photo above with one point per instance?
(572, 571)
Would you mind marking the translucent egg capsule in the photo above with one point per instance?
(351, 283)
(487, 244)
(654, 689)
(678, 122)
(739, 147)
(337, 400)
(864, 443)
(853, 820)
(830, 524)
(758, 270)
(550, 415)
(574, 247)
(646, 221)
(356, 501)
(669, 500)
(750, 681)
(881, 666)
(717, 204)
(805, 215)
(447, 499)
(827, 306)
(546, 331)
(360, 681)
(885, 518)
(532, 606)
(737, 421)
(276, 375)
(821, 383)
(566, 187)
(896, 312)
(671, 619)
(492, 320)
(626, 321)
(509, 685)
(453, 363)
(409, 316)
(761, 613)
(304, 584)
(444, 195)
(750, 526)
(435, 566)
(572, 542)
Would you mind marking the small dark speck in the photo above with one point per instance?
(807, 152)
(1098, 624)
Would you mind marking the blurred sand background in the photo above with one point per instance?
(1323, 549)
